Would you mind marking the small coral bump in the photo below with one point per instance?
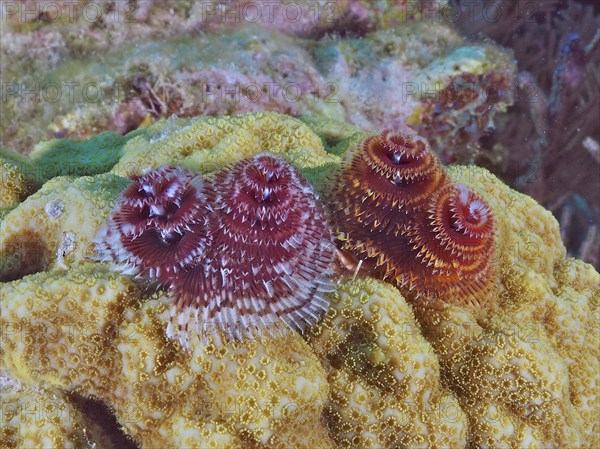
(270, 261)
(159, 225)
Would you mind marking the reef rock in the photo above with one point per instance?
(373, 64)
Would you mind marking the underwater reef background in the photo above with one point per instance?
(507, 94)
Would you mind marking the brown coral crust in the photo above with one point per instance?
(23, 254)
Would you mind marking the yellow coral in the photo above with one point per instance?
(385, 382)
(36, 417)
(17, 179)
(328, 129)
(54, 227)
(86, 331)
(523, 369)
(206, 144)
(378, 371)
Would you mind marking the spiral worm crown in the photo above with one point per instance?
(246, 250)
(381, 185)
(394, 211)
(159, 224)
(454, 245)
(271, 257)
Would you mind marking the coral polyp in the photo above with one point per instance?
(159, 225)
(271, 257)
(395, 212)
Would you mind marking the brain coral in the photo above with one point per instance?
(378, 371)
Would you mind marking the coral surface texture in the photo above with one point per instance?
(382, 366)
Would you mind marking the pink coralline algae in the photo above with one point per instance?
(243, 251)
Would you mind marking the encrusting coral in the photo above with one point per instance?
(33, 416)
(384, 376)
(378, 76)
(110, 345)
(54, 227)
(207, 144)
(17, 182)
(377, 370)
